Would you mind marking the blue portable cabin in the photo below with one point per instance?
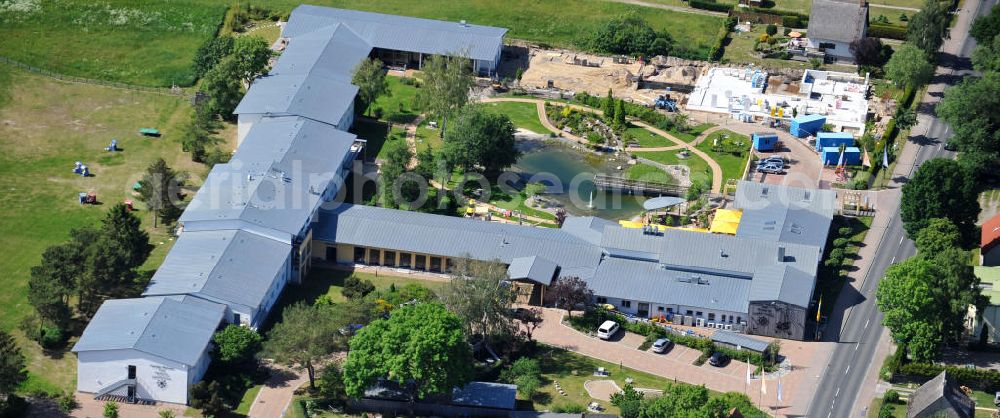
(833, 139)
(764, 141)
(806, 125)
(831, 156)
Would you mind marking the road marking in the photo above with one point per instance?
(836, 395)
(867, 321)
(901, 240)
(848, 369)
(893, 261)
(856, 346)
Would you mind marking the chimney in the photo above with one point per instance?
(781, 254)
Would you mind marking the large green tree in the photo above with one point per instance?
(54, 280)
(941, 188)
(397, 157)
(222, 84)
(928, 27)
(12, 365)
(629, 34)
(480, 295)
(447, 81)
(908, 67)
(236, 344)
(986, 28)
(420, 345)
(969, 110)
(938, 236)
(252, 55)
(369, 76)
(211, 52)
(160, 190)
(481, 139)
(305, 335)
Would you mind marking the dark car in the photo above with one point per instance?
(718, 359)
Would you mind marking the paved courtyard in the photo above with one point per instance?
(807, 360)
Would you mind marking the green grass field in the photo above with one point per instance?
(732, 165)
(152, 43)
(699, 168)
(647, 172)
(692, 133)
(45, 126)
(524, 115)
(648, 139)
(399, 106)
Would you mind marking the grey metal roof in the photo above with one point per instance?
(631, 243)
(733, 338)
(784, 213)
(312, 96)
(164, 327)
(650, 282)
(784, 283)
(534, 268)
(402, 33)
(587, 228)
(275, 180)
(842, 21)
(451, 236)
(332, 52)
(940, 396)
(726, 254)
(231, 266)
(486, 395)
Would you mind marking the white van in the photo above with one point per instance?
(607, 330)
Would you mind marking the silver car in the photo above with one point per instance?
(662, 345)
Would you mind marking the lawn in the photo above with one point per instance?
(700, 172)
(732, 164)
(399, 106)
(647, 172)
(557, 23)
(647, 139)
(692, 133)
(46, 126)
(149, 43)
(892, 15)
(248, 397)
(524, 115)
(740, 50)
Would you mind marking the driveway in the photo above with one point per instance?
(806, 358)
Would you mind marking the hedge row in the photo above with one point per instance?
(876, 30)
(720, 40)
(789, 21)
(642, 113)
(711, 5)
(982, 379)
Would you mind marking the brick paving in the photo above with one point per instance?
(91, 408)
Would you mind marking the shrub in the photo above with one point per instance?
(845, 232)
(891, 396)
(840, 242)
(982, 379)
(833, 262)
(569, 408)
(887, 31)
(67, 403)
(711, 5)
(111, 409)
(355, 288)
(791, 22)
(837, 253)
(52, 337)
(771, 29)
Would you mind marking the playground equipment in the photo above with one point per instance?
(113, 147)
(149, 132)
(88, 198)
(664, 102)
(129, 205)
(81, 169)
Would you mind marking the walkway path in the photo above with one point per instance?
(887, 6)
(543, 117)
(274, 398)
(411, 139)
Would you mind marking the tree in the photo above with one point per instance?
(986, 56)
(160, 190)
(529, 320)
(905, 118)
(629, 401)
(608, 106)
(252, 55)
(12, 365)
(122, 226)
(620, 122)
(210, 53)
(397, 159)
(447, 81)
(868, 51)
(721, 405)
(479, 138)
(941, 188)
(986, 28)
(236, 344)
(908, 67)
(481, 296)
(421, 345)
(304, 335)
(331, 383)
(629, 34)
(369, 76)
(222, 84)
(938, 236)
(208, 397)
(54, 280)
(526, 374)
(967, 107)
(357, 288)
(570, 292)
(928, 27)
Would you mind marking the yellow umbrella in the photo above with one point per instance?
(795, 34)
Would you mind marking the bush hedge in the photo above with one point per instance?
(719, 48)
(790, 21)
(711, 5)
(877, 30)
(642, 113)
(982, 379)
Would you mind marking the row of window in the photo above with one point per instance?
(644, 307)
(375, 257)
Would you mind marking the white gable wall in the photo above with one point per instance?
(840, 49)
(243, 125)
(156, 378)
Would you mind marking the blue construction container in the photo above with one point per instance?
(764, 141)
(831, 156)
(833, 139)
(806, 125)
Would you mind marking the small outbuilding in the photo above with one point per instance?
(989, 244)
(940, 397)
(831, 156)
(807, 125)
(764, 141)
(833, 139)
(738, 341)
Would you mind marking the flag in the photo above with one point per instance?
(840, 163)
(885, 156)
(819, 308)
(763, 384)
(779, 388)
(749, 373)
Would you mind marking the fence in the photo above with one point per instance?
(174, 91)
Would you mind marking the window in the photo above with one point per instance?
(389, 259)
(131, 371)
(711, 316)
(404, 260)
(689, 313)
(374, 256)
(670, 310)
(739, 319)
(627, 303)
(659, 309)
(697, 313)
(421, 262)
(436, 264)
(359, 255)
(602, 300)
(723, 318)
(827, 45)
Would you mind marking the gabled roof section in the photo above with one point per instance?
(401, 32)
(940, 395)
(842, 21)
(275, 180)
(332, 52)
(231, 266)
(311, 96)
(486, 395)
(785, 213)
(587, 228)
(537, 269)
(164, 327)
(782, 283)
(990, 234)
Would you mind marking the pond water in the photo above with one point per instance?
(569, 172)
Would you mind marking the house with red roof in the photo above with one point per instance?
(989, 244)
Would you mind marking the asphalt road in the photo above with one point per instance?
(838, 389)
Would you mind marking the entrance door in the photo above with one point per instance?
(643, 310)
(331, 254)
(131, 372)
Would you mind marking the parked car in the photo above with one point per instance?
(772, 159)
(771, 169)
(950, 146)
(718, 359)
(607, 330)
(661, 345)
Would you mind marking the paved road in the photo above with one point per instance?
(858, 339)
